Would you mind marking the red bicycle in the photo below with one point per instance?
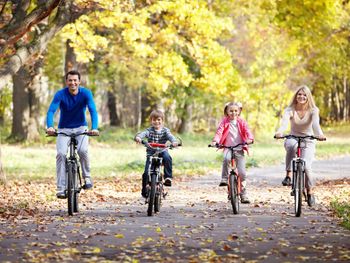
(234, 186)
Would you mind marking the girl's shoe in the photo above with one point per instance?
(223, 182)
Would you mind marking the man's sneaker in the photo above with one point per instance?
(223, 182)
(244, 199)
(167, 182)
(88, 183)
(61, 194)
(311, 200)
(287, 181)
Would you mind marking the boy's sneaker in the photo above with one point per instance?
(167, 182)
(61, 194)
(223, 182)
(88, 183)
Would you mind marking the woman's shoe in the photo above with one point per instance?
(311, 200)
(287, 181)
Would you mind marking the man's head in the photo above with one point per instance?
(157, 118)
(73, 81)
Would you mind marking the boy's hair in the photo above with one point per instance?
(230, 104)
(156, 114)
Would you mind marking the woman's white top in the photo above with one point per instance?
(307, 125)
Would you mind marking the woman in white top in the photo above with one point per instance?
(304, 119)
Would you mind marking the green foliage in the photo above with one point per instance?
(342, 210)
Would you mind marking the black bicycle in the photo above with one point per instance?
(298, 166)
(234, 186)
(155, 185)
(73, 176)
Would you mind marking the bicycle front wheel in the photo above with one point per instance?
(233, 193)
(298, 190)
(152, 194)
(76, 191)
(71, 187)
(158, 197)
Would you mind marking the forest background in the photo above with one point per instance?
(187, 57)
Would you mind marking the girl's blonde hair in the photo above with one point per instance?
(231, 104)
(310, 100)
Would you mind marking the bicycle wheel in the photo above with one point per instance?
(152, 194)
(70, 187)
(233, 192)
(298, 190)
(158, 197)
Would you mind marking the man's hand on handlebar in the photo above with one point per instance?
(50, 131)
(94, 132)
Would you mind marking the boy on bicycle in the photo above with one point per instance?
(157, 133)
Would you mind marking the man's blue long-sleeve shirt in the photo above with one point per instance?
(72, 109)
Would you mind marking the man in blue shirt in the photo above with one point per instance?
(72, 102)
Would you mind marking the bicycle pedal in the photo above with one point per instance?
(165, 194)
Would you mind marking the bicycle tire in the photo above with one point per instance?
(158, 198)
(233, 192)
(76, 191)
(70, 188)
(152, 195)
(298, 190)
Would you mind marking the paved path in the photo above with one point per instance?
(196, 224)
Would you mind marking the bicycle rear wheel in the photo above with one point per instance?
(70, 187)
(298, 190)
(233, 192)
(152, 195)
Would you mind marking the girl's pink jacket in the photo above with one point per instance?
(223, 131)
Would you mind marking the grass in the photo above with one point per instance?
(342, 210)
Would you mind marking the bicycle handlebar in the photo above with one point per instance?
(228, 147)
(71, 135)
(288, 136)
(154, 145)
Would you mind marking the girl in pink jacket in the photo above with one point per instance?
(233, 130)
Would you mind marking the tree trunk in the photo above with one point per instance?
(34, 88)
(20, 101)
(112, 108)
(186, 118)
(2, 173)
(26, 95)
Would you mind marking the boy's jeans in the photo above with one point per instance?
(168, 168)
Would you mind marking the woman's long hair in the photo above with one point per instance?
(310, 100)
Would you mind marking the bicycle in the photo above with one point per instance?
(73, 176)
(234, 186)
(155, 186)
(298, 173)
